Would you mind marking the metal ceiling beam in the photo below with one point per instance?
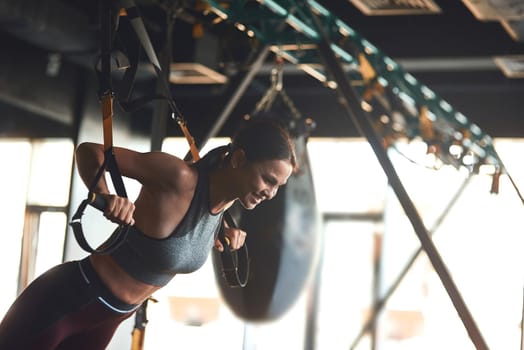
(296, 42)
(415, 65)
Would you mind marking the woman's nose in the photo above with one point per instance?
(273, 192)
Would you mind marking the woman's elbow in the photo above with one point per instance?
(89, 150)
(88, 147)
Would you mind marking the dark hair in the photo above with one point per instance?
(264, 139)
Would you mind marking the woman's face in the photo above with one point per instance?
(261, 180)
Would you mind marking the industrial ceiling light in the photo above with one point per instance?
(194, 73)
(496, 10)
(396, 7)
(511, 65)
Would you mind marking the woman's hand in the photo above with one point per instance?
(119, 209)
(235, 238)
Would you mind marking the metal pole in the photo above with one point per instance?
(365, 127)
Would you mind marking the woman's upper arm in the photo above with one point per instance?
(152, 169)
(157, 169)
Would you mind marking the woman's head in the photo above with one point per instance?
(263, 156)
(265, 140)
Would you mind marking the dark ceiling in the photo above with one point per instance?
(47, 80)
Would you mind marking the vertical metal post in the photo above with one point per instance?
(366, 128)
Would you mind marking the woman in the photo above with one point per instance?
(174, 220)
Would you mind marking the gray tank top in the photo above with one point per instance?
(157, 261)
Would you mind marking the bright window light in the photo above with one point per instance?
(16, 156)
(179, 146)
(50, 172)
(50, 249)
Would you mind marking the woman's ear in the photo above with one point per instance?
(238, 158)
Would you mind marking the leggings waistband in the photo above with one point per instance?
(103, 293)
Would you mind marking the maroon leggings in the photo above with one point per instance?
(67, 307)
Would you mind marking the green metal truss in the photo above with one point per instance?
(386, 89)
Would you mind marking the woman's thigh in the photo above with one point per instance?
(60, 307)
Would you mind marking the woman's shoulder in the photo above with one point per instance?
(184, 173)
(168, 172)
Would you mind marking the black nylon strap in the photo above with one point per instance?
(138, 26)
(112, 167)
(133, 105)
(128, 81)
(235, 264)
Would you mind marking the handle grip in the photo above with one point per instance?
(97, 201)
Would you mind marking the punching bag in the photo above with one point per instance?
(283, 243)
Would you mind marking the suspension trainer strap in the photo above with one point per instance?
(133, 15)
(107, 21)
(235, 264)
(135, 19)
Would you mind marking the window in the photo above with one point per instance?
(33, 205)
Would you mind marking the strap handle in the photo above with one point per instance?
(99, 203)
(235, 264)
